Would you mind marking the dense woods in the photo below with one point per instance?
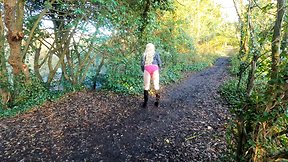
(259, 94)
(52, 47)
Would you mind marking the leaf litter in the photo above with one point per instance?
(101, 126)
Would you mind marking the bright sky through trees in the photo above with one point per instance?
(228, 10)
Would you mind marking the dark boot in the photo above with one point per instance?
(157, 98)
(145, 99)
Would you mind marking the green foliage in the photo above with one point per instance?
(176, 49)
(232, 94)
(173, 73)
(28, 95)
(235, 65)
(256, 131)
(66, 86)
(252, 112)
(124, 75)
(86, 31)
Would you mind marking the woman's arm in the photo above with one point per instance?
(158, 59)
(142, 64)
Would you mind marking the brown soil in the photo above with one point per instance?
(189, 125)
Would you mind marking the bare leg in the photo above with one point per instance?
(156, 87)
(147, 79)
(156, 80)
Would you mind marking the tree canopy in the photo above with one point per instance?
(60, 45)
(51, 47)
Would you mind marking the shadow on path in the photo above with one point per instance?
(189, 125)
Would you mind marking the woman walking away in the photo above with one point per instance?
(150, 65)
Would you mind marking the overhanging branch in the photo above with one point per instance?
(180, 3)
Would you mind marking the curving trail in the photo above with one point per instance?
(89, 126)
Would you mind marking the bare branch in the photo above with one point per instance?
(237, 10)
(180, 3)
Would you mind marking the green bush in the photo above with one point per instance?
(235, 62)
(124, 76)
(234, 95)
(28, 95)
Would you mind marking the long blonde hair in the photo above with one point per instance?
(149, 53)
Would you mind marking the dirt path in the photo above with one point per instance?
(86, 126)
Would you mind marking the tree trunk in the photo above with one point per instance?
(36, 63)
(243, 50)
(276, 41)
(254, 51)
(14, 15)
(145, 17)
(98, 72)
(4, 91)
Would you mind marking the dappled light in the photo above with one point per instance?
(71, 80)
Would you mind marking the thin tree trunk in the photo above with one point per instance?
(145, 17)
(53, 70)
(98, 72)
(36, 63)
(276, 40)
(243, 40)
(273, 92)
(198, 22)
(69, 74)
(36, 24)
(85, 70)
(240, 140)
(254, 51)
(61, 42)
(83, 66)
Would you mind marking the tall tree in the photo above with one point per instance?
(4, 92)
(276, 40)
(14, 16)
(261, 119)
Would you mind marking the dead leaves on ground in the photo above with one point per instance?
(102, 126)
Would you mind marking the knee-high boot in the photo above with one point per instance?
(145, 99)
(157, 98)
